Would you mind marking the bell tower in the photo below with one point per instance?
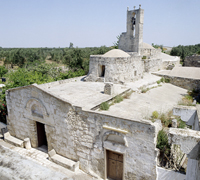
(132, 39)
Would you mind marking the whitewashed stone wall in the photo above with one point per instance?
(79, 135)
(152, 65)
(117, 70)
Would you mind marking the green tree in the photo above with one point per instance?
(76, 61)
(71, 45)
(3, 71)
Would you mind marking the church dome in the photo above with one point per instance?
(116, 53)
(147, 46)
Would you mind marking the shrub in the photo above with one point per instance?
(144, 57)
(3, 70)
(187, 100)
(104, 106)
(155, 114)
(167, 80)
(181, 124)
(162, 79)
(3, 112)
(165, 119)
(118, 99)
(158, 82)
(144, 90)
(188, 97)
(162, 142)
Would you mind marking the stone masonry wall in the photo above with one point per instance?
(192, 61)
(79, 135)
(185, 83)
(152, 65)
(117, 70)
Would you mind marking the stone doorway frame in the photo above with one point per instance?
(41, 134)
(116, 147)
(33, 132)
(101, 70)
(106, 161)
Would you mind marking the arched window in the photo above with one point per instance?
(36, 111)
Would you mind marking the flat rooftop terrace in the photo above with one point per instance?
(141, 105)
(84, 94)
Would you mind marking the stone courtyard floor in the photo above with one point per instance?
(19, 163)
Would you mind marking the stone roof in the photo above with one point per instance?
(116, 53)
(183, 72)
(166, 57)
(147, 46)
(186, 72)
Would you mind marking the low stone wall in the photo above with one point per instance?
(55, 83)
(192, 61)
(185, 83)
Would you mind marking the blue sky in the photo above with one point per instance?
(89, 23)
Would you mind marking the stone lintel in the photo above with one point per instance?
(115, 129)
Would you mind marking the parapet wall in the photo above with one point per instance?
(192, 61)
(55, 83)
(185, 83)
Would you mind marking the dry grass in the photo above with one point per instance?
(186, 101)
(127, 95)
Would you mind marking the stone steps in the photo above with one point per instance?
(62, 161)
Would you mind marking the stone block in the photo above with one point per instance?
(52, 153)
(27, 143)
(12, 140)
(174, 123)
(65, 162)
(108, 88)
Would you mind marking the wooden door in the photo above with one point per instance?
(114, 165)
(42, 140)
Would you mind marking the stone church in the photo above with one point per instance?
(63, 116)
(132, 59)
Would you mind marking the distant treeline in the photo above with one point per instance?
(31, 66)
(72, 57)
(184, 51)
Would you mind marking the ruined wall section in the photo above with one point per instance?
(150, 53)
(79, 135)
(152, 65)
(192, 61)
(117, 70)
